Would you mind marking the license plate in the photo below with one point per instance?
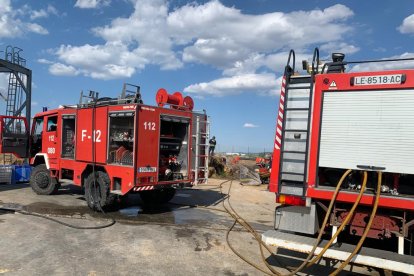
(147, 169)
(378, 80)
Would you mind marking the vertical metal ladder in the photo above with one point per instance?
(15, 90)
(295, 137)
(200, 136)
(11, 95)
(294, 150)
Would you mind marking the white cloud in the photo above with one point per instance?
(109, 61)
(5, 6)
(38, 14)
(273, 62)
(4, 80)
(42, 13)
(407, 64)
(407, 26)
(14, 23)
(341, 47)
(36, 28)
(224, 35)
(60, 69)
(264, 84)
(250, 125)
(210, 33)
(91, 4)
(44, 61)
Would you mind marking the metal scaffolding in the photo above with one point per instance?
(19, 90)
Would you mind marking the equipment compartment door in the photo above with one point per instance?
(147, 153)
(368, 128)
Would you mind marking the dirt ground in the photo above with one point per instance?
(176, 239)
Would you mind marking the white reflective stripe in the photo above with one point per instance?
(281, 106)
(277, 147)
(282, 98)
(279, 131)
(281, 114)
(278, 139)
(284, 81)
(145, 188)
(279, 122)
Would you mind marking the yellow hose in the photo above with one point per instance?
(328, 213)
(343, 224)
(367, 228)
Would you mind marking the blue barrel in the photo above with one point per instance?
(22, 173)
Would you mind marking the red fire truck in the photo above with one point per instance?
(113, 147)
(344, 150)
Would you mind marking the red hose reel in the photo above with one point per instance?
(175, 100)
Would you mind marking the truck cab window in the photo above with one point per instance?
(51, 123)
(68, 136)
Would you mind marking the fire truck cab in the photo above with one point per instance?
(112, 147)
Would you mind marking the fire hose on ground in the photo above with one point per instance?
(306, 263)
(343, 224)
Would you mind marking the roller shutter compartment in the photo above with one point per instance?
(369, 128)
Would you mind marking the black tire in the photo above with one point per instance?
(97, 191)
(156, 197)
(41, 181)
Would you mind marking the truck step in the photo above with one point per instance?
(367, 256)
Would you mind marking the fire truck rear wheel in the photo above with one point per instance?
(157, 196)
(41, 181)
(97, 191)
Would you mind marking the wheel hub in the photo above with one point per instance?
(42, 180)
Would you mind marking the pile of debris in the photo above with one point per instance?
(232, 167)
(216, 166)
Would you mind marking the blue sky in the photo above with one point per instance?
(227, 55)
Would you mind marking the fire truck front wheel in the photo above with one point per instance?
(97, 193)
(41, 181)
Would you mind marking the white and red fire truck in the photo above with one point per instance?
(113, 147)
(331, 121)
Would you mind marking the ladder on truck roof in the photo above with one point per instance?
(294, 150)
(200, 149)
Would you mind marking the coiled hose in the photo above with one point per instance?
(366, 230)
(325, 221)
(343, 224)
